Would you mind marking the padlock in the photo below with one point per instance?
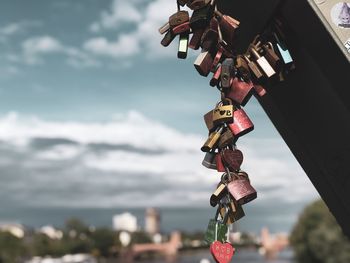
(228, 25)
(217, 229)
(241, 123)
(183, 28)
(262, 62)
(196, 39)
(209, 39)
(168, 38)
(209, 160)
(235, 210)
(227, 73)
(242, 69)
(227, 51)
(208, 119)
(220, 167)
(259, 90)
(282, 48)
(179, 18)
(219, 193)
(226, 139)
(271, 56)
(164, 28)
(241, 189)
(203, 63)
(216, 77)
(182, 2)
(197, 4)
(212, 140)
(253, 67)
(216, 60)
(224, 113)
(183, 46)
(201, 17)
(285, 54)
(240, 91)
(232, 159)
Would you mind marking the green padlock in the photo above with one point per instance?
(217, 229)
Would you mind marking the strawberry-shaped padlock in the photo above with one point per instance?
(240, 188)
(241, 123)
(222, 251)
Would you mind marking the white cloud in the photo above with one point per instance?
(35, 48)
(120, 12)
(125, 46)
(133, 156)
(144, 38)
(17, 27)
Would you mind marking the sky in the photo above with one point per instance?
(94, 112)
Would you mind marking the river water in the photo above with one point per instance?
(241, 256)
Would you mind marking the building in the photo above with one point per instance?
(51, 232)
(152, 221)
(125, 221)
(15, 229)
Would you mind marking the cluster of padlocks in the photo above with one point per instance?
(237, 77)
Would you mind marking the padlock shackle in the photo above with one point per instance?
(254, 52)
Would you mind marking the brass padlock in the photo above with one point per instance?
(164, 28)
(262, 62)
(212, 140)
(223, 113)
(235, 210)
(253, 67)
(219, 193)
(226, 139)
(183, 46)
(271, 56)
(203, 63)
(179, 18)
(243, 69)
(208, 119)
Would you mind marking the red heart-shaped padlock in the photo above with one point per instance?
(232, 158)
(222, 253)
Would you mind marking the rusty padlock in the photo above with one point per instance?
(240, 91)
(232, 158)
(241, 123)
(240, 188)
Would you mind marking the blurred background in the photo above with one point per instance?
(99, 123)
